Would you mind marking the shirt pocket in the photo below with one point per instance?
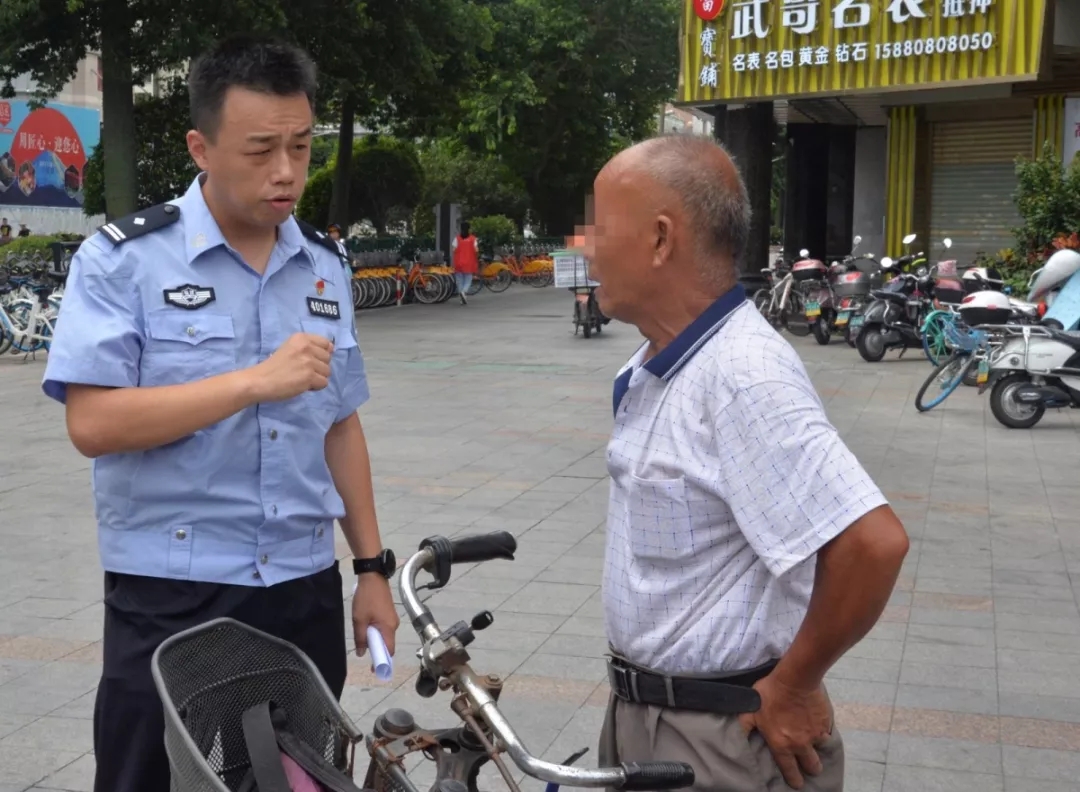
(658, 519)
(322, 405)
(185, 347)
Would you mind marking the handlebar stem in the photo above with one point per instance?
(419, 615)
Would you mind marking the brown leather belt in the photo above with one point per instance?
(728, 694)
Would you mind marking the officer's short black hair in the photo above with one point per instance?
(258, 64)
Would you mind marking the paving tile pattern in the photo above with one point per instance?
(495, 417)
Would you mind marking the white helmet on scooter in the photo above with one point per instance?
(1058, 268)
(985, 308)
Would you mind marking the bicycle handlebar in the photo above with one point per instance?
(435, 556)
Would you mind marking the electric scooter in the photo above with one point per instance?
(1031, 367)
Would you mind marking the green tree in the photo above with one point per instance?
(569, 83)
(405, 65)
(1048, 200)
(480, 182)
(385, 178)
(163, 166)
(393, 57)
(493, 231)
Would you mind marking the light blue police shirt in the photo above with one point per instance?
(249, 500)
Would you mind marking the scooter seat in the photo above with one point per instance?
(1071, 339)
(892, 296)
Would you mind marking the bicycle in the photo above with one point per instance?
(966, 363)
(28, 312)
(779, 301)
(209, 675)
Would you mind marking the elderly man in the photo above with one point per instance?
(747, 548)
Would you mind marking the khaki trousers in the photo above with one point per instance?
(724, 757)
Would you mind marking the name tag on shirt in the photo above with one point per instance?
(327, 309)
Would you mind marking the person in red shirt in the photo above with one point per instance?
(466, 260)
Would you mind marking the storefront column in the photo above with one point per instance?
(900, 178)
(749, 137)
(1049, 123)
(807, 213)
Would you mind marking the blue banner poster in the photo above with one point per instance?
(43, 153)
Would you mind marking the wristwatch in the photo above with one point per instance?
(384, 563)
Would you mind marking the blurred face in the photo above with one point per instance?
(257, 162)
(621, 244)
(335, 234)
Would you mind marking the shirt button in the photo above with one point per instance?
(191, 331)
(320, 533)
(264, 560)
(181, 534)
(273, 510)
(256, 575)
(273, 434)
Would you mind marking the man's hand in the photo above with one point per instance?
(373, 605)
(299, 365)
(793, 722)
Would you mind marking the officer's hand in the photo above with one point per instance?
(794, 723)
(373, 606)
(299, 365)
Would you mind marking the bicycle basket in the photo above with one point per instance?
(960, 336)
(209, 675)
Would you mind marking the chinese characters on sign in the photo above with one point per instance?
(751, 19)
(58, 144)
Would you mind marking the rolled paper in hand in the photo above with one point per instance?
(380, 655)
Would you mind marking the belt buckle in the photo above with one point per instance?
(624, 682)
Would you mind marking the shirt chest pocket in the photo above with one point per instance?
(322, 405)
(186, 346)
(660, 520)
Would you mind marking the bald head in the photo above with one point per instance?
(700, 174)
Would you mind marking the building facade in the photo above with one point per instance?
(902, 116)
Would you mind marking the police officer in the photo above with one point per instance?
(207, 357)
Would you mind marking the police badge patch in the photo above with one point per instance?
(189, 296)
(327, 309)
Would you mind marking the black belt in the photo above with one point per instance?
(725, 695)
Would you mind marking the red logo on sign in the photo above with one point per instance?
(708, 9)
(5, 114)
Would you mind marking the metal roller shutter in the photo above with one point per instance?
(974, 177)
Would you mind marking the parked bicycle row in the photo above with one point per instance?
(381, 279)
(968, 325)
(30, 294)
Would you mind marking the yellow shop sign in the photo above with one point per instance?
(757, 49)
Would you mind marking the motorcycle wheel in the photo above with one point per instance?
(870, 343)
(947, 375)
(822, 330)
(1007, 410)
(797, 311)
(849, 337)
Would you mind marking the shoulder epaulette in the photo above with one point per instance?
(323, 240)
(141, 223)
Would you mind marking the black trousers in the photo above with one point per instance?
(141, 612)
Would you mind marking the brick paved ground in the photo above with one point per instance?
(495, 417)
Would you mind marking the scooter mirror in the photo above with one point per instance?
(804, 252)
(856, 240)
(909, 239)
(947, 242)
(886, 262)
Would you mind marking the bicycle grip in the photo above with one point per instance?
(483, 547)
(657, 775)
